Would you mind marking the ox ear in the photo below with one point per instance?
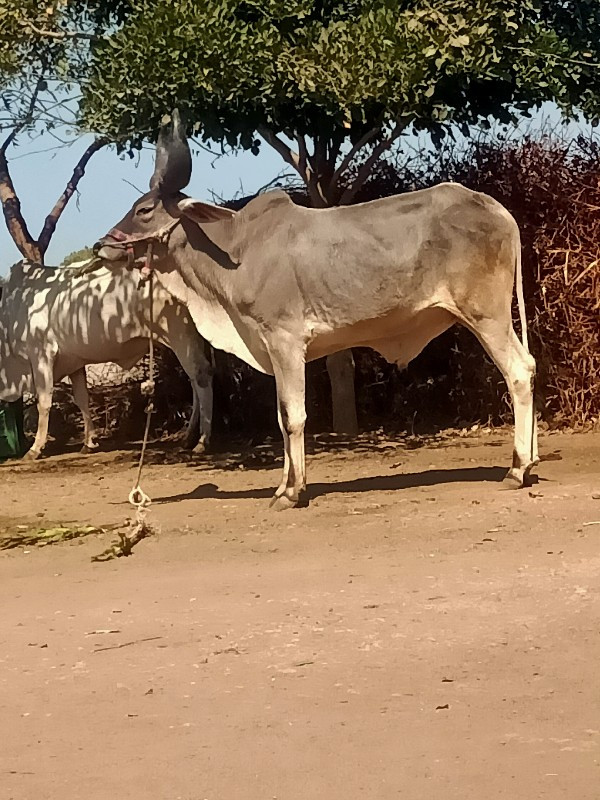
(173, 162)
(201, 212)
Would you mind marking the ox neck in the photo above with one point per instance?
(208, 250)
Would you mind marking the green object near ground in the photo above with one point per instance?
(12, 439)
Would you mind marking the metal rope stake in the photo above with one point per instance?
(137, 497)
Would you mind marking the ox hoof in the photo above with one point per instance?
(517, 479)
(511, 482)
(199, 449)
(282, 503)
(31, 455)
(89, 448)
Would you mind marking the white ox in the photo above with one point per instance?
(55, 321)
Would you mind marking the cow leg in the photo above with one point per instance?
(43, 380)
(82, 399)
(205, 401)
(191, 437)
(286, 454)
(517, 366)
(290, 380)
(200, 425)
(199, 370)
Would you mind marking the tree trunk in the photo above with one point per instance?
(13, 216)
(340, 367)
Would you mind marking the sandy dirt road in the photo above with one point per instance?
(414, 633)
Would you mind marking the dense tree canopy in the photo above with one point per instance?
(339, 67)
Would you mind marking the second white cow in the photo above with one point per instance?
(54, 321)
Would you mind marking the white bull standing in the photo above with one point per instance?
(55, 321)
(279, 285)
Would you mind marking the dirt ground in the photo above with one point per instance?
(416, 632)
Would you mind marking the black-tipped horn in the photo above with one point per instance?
(173, 163)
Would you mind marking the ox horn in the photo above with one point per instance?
(173, 163)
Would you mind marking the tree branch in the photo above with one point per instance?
(11, 208)
(26, 118)
(60, 205)
(319, 195)
(346, 161)
(320, 155)
(60, 35)
(303, 164)
(335, 145)
(365, 170)
(298, 162)
(284, 151)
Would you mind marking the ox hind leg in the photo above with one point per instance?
(289, 369)
(517, 366)
(199, 428)
(82, 399)
(199, 369)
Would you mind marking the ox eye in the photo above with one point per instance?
(145, 210)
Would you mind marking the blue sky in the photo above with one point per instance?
(39, 178)
(105, 195)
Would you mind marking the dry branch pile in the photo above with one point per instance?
(553, 189)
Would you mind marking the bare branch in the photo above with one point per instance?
(283, 176)
(59, 35)
(284, 151)
(26, 118)
(346, 161)
(140, 191)
(71, 187)
(365, 170)
(296, 161)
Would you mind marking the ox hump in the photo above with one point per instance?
(266, 203)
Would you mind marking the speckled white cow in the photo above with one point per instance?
(54, 321)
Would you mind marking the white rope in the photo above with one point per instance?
(137, 497)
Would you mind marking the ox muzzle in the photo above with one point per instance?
(118, 246)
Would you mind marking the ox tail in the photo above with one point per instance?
(520, 297)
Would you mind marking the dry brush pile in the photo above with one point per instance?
(553, 189)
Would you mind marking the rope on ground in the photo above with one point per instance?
(138, 529)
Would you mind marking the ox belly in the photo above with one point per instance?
(399, 336)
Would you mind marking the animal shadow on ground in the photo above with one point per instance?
(378, 483)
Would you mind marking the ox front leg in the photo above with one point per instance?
(289, 377)
(82, 400)
(44, 385)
